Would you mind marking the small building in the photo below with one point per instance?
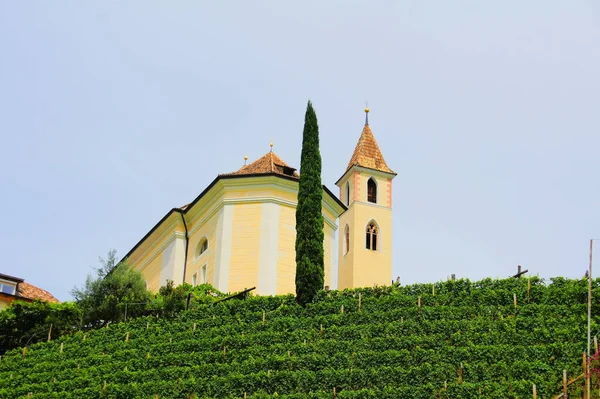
(240, 231)
(14, 288)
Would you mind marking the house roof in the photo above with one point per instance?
(30, 291)
(367, 153)
(268, 163)
(11, 278)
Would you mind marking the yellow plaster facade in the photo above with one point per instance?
(240, 232)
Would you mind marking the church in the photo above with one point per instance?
(240, 231)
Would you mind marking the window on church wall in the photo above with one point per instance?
(204, 274)
(194, 279)
(347, 193)
(372, 191)
(371, 236)
(346, 240)
(202, 247)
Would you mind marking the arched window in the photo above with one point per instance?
(371, 236)
(372, 191)
(202, 246)
(347, 193)
(346, 240)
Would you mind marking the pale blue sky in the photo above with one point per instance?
(113, 112)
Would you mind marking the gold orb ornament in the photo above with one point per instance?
(367, 110)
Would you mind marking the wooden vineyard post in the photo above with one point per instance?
(62, 345)
(565, 394)
(595, 344)
(334, 393)
(433, 289)
(50, 333)
(194, 329)
(419, 302)
(359, 300)
(147, 325)
(528, 289)
(587, 377)
(244, 395)
(263, 321)
(534, 392)
(342, 309)
(515, 300)
(127, 337)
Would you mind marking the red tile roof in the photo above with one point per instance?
(268, 163)
(367, 153)
(29, 291)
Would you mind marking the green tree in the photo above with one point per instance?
(310, 271)
(23, 323)
(113, 290)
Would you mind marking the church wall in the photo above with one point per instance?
(372, 267)
(245, 246)
(286, 261)
(201, 229)
(269, 249)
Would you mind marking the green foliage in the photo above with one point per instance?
(170, 299)
(103, 297)
(467, 341)
(28, 322)
(310, 270)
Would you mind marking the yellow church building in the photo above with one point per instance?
(240, 231)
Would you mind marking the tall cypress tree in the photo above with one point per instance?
(310, 269)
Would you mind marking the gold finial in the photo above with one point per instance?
(367, 110)
(245, 159)
(271, 145)
(367, 115)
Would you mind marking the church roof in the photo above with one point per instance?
(367, 153)
(268, 163)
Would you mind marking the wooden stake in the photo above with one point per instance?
(595, 344)
(84, 337)
(62, 345)
(342, 309)
(171, 340)
(445, 384)
(433, 289)
(263, 318)
(587, 377)
(127, 337)
(515, 300)
(359, 300)
(50, 333)
(224, 351)
(334, 393)
(528, 288)
(147, 325)
(565, 394)
(534, 392)
(244, 395)
(419, 302)
(194, 329)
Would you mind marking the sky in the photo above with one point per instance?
(112, 113)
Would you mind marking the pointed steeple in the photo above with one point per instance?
(367, 153)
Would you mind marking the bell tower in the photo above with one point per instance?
(365, 247)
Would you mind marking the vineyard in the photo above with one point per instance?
(455, 339)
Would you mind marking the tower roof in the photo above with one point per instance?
(268, 163)
(367, 153)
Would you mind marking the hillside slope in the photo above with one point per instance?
(465, 340)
